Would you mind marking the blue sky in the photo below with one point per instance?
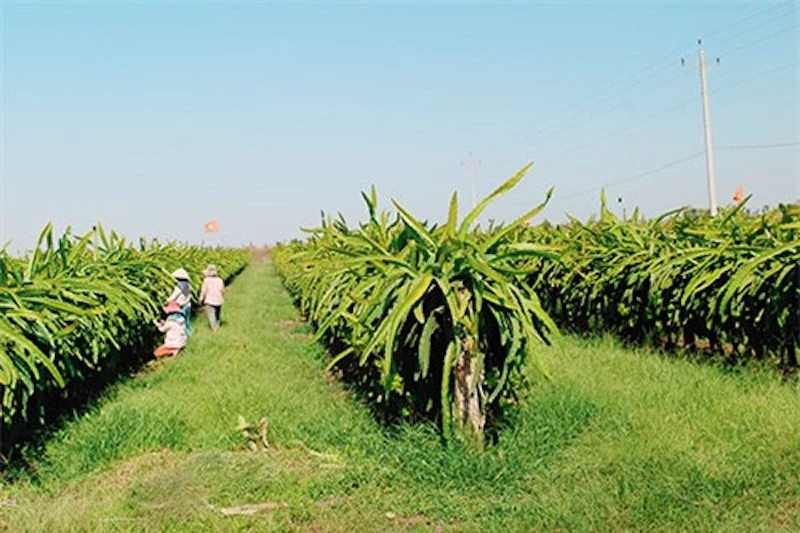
(154, 117)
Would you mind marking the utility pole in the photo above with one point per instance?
(712, 190)
(472, 167)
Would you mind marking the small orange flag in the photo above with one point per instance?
(738, 196)
(211, 226)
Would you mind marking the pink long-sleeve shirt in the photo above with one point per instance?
(175, 329)
(212, 291)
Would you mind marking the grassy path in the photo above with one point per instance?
(614, 441)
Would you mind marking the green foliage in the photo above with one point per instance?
(76, 304)
(402, 302)
(405, 304)
(613, 442)
(728, 284)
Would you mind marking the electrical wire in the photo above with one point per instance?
(757, 146)
(569, 120)
(629, 85)
(577, 116)
(781, 17)
(634, 177)
(681, 105)
(758, 41)
(677, 106)
(749, 18)
(647, 173)
(679, 161)
(757, 76)
(633, 126)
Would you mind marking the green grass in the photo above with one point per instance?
(614, 441)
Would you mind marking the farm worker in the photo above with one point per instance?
(182, 294)
(211, 295)
(174, 328)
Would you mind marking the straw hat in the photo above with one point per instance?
(180, 274)
(172, 307)
(210, 270)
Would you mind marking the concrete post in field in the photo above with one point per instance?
(709, 143)
(712, 190)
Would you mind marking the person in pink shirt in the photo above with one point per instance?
(212, 293)
(174, 328)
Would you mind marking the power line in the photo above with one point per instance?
(758, 146)
(642, 175)
(675, 107)
(633, 126)
(761, 40)
(679, 105)
(577, 115)
(613, 85)
(757, 76)
(635, 177)
(612, 90)
(763, 23)
(670, 164)
(580, 117)
(578, 121)
(751, 17)
(757, 26)
(665, 166)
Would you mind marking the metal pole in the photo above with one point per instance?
(712, 191)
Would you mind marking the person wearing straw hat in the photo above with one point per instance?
(182, 294)
(212, 293)
(174, 329)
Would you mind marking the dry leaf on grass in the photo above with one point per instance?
(251, 509)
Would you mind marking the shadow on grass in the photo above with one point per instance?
(122, 430)
(22, 442)
(51, 409)
(724, 358)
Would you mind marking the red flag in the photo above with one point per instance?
(738, 196)
(211, 226)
